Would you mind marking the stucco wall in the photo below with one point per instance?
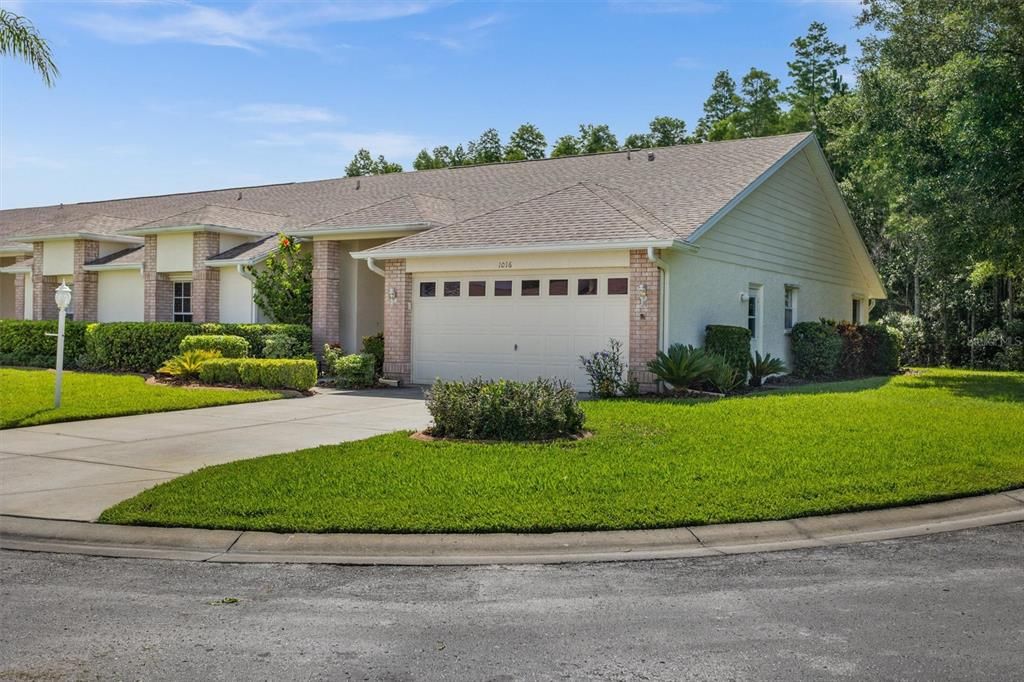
(120, 296)
(6, 296)
(174, 252)
(28, 297)
(361, 296)
(235, 296)
(59, 257)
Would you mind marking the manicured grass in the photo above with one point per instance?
(26, 397)
(809, 450)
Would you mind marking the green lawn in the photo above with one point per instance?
(810, 450)
(26, 397)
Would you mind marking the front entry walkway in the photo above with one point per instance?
(75, 470)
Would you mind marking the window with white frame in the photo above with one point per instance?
(753, 311)
(789, 314)
(182, 302)
(858, 305)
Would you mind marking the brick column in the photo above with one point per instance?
(43, 287)
(158, 290)
(326, 294)
(205, 281)
(397, 321)
(643, 317)
(19, 290)
(85, 284)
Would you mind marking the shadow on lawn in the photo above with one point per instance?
(993, 386)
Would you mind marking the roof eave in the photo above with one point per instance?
(223, 263)
(331, 230)
(95, 236)
(196, 227)
(538, 248)
(17, 249)
(112, 266)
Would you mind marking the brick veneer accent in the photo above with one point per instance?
(205, 281)
(85, 284)
(43, 305)
(19, 290)
(643, 318)
(158, 290)
(397, 321)
(326, 294)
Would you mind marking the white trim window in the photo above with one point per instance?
(858, 310)
(182, 311)
(789, 307)
(754, 313)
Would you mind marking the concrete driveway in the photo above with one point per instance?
(75, 470)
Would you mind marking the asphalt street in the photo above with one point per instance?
(947, 606)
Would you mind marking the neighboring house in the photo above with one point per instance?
(510, 270)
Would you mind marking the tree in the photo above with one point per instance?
(527, 142)
(486, 149)
(283, 287)
(19, 38)
(597, 138)
(446, 157)
(424, 161)
(815, 75)
(363, 163)
(722, 103)
(638, 141)
(760, 114)
(566, 145)
(667, 131)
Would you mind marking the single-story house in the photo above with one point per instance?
(510, 270)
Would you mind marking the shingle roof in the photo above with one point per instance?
(212, 215)
(248, 250)
(133, 255)
(679, 190)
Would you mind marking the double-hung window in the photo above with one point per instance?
(790, 307)
(182, 302)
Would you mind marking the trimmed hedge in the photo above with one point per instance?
(355, 371)
(374, 345)
(732, 343)
(816, 350)
(24, 343)
(298, 375)
(504, 410)
(883, 347)
(227, 346)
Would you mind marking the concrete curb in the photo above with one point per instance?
(187, 544)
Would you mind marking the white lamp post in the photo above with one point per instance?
(63, 299)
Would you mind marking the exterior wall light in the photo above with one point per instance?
(641, 293)
(744, 296)
(392, 295)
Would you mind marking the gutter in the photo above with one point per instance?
(93, 236)
(241, 269)
(362, 229)
(558, 247)
(663, 294)
(374, 268)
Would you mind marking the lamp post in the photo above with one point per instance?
(63, 299)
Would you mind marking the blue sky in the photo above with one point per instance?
(159, 97)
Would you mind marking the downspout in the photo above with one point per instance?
(374, 268)
(662, 298)
(241, 268)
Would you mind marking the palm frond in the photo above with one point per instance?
(19, 38)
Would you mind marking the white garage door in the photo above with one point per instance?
(524, 326)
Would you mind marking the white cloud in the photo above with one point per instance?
(394, 145)
(465, 36)
(247, 28)
(279, 113)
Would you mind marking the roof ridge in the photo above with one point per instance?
(614, 207)
(362, 208)
(635, 203)
(236, 208)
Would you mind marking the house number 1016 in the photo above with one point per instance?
(504, 264)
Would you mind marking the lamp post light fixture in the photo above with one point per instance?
(63, 299)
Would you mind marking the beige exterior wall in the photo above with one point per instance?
(235, 297)
(521, 261)
(174, 252)
(120, 296)
(783, 234)
(7, 290)
(28, 297)
(361, 295)
(59, 257)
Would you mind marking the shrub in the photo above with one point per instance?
(227, 346)
(135, 346)
(723, 377)
(257, 334)
(605, 370)
(504, 410)
(279, 346)
(298, 375)
(25, 343)
(882, 349)
(331, 354)
(852, 353)
(374, 345)
(762, 367)
(187, 364)
(816, 349)
(912, 329)
(682, 367)
(355, 371)
(731, 343)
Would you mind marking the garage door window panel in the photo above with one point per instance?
(531, 287)
(428, 289)
(586, 287)
(558, 287)
(503, 287)
(453, 288)
(478, 288)
(618, 286)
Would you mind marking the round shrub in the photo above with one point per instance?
(355, 371)
(731, 343)
(227, 346)
(504, 410)
(882, 348)
(816, 350)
